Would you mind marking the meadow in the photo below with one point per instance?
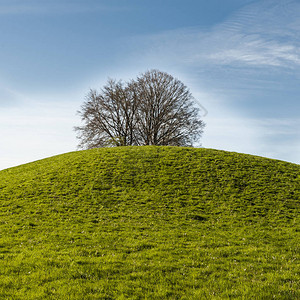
(150, 223)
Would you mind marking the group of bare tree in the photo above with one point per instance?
(153, 109)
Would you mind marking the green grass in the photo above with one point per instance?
(150, 223)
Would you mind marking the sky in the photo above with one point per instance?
(240, 59)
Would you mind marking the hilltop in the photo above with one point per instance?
(150, 222)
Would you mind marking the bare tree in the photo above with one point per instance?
(167, 113)
(154, 109)
(108, 117)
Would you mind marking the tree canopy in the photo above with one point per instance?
(153, 109)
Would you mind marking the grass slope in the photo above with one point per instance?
(150, 223)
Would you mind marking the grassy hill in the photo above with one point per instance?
(150, 223)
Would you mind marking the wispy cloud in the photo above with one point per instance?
(250, 66)
(254, 51)
(227, 65)
(266, 33)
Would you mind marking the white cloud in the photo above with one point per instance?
(266, 33)
(258, 52)
(245, 71)
(262, 36)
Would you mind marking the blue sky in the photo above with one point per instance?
(240, 59)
